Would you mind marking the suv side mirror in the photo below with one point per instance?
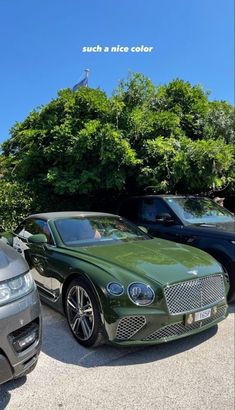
(165, 218)
(38, 239)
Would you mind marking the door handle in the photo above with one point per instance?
(189, 239)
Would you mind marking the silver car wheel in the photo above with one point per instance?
(80, 313)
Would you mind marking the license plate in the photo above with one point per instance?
(204, 314)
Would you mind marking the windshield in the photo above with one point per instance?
(199, 210)
(98, 230)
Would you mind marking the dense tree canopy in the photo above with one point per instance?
(84, 149)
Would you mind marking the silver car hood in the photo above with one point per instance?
(11, 263)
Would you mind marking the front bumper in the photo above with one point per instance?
(141, 326)
(18, 321)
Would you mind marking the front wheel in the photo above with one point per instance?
(82, 313)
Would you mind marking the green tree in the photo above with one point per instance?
(82, 150)
(220, 122)
(15, 203)
(186, 166)
(189, 102)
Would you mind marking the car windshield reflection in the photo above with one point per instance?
(199, 210)
(100, 230)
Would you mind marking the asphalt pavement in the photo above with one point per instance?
(196, 372)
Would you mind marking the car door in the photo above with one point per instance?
(36, 253)
(149, 208)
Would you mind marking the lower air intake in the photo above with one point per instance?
(128, 326)
(179, 329)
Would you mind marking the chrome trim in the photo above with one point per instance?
(180, 329)
(113, 294)
(192, 295)
(139, 304)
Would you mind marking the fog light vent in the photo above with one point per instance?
(23, 338)
(128, 326)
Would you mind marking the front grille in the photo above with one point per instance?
(128, 326)
(179, 329)
(194, 294)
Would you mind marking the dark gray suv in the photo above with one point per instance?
(20, 317)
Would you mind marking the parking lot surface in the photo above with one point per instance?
(192, 373)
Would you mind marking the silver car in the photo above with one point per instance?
(20, 317)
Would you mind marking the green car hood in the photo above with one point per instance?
(157, 259)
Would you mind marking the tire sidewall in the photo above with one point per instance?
(92, 341)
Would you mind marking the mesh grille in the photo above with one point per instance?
(128, 326)
(179, 329)
(194, 294)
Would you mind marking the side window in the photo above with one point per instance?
(150, 208)
(36, 226)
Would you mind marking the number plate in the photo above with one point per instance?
(204, 314)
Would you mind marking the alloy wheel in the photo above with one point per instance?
(80, 313)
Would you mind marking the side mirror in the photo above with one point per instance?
(165, 218)
(143, 229)
(38, 239)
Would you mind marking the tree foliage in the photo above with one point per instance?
(85, 149)
(15, 204)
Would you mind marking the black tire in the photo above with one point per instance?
(228, 268)
(82, 313)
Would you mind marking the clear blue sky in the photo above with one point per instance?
(41, 43)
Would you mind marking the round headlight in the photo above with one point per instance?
(140, 294)
(5, 293)
(115, 289)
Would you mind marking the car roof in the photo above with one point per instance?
(166, 196)
(67, 214)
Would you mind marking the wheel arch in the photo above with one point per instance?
(217, 253)
(223, 259)
(76, 275)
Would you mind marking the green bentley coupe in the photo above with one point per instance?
(115, 283)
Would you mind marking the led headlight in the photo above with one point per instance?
(115, 289)
(140, 293)
(15, 288)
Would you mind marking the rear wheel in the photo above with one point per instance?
(83, 314)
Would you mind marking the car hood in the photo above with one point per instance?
(11, 263)
(156, 259)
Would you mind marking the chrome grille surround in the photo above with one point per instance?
(178, 329)
(194, 294)
(128, 326)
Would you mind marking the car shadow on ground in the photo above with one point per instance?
(6, 388)
(59, 344)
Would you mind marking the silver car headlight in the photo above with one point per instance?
(140, 293)
(15, 288)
